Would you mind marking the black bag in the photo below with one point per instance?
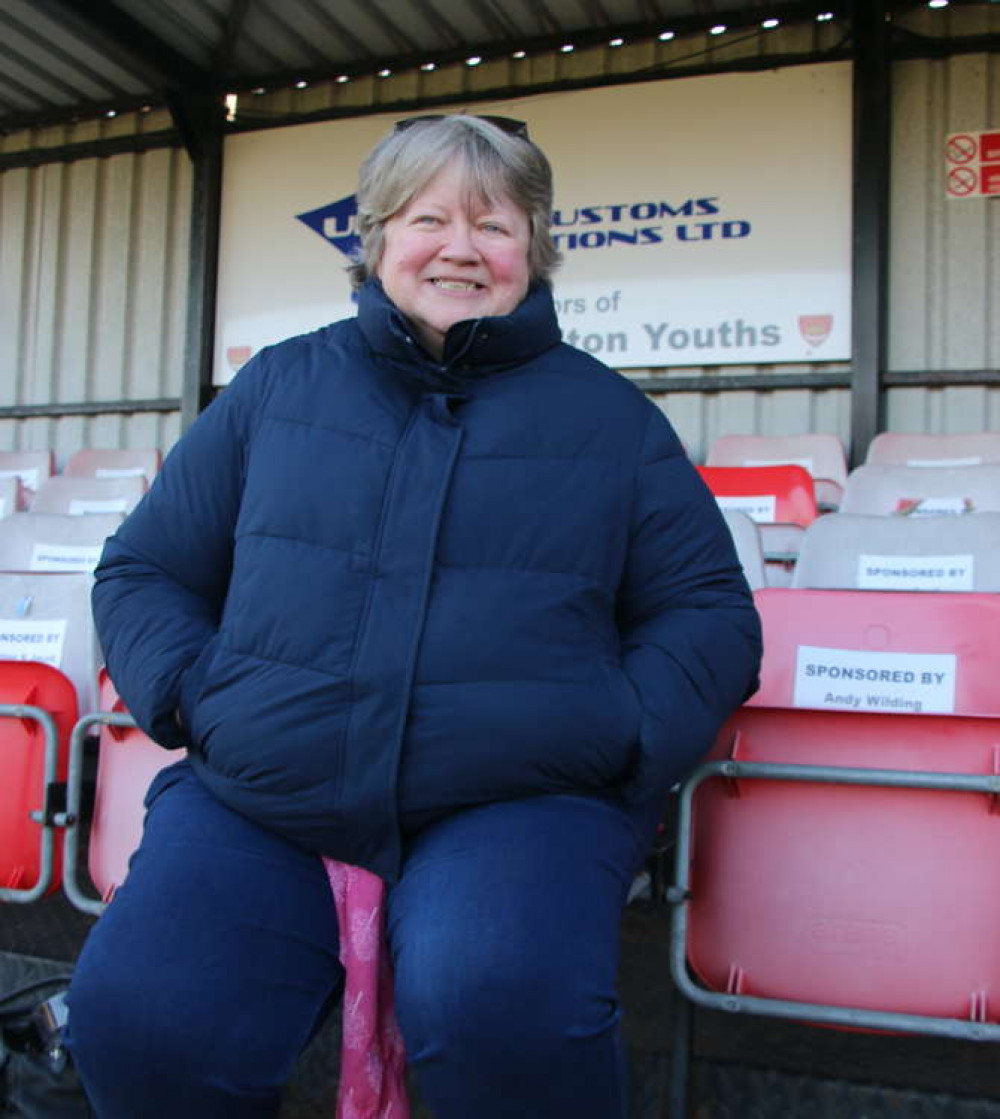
(37, 1079)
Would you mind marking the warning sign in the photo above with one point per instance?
(962, 147)
(972, 164)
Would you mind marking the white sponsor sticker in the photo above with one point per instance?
(860, 680)
(65, 557)
(120, 472)
(32, 641)
(973, 460)
(805, 463)
(28, 478)
(934, 506)
(760, 508)
(79, 505)
(915, 573)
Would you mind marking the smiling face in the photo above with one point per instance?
(448, 256)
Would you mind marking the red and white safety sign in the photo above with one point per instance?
(972, 164)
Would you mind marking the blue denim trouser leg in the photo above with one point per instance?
(504, 931)
(201, 983)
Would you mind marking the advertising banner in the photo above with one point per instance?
(702, 221)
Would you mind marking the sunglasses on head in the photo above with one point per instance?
(505, 124)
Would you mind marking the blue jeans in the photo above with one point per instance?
(201, 984)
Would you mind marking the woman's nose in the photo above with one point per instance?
(459, 243)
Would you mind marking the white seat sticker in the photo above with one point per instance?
(861, 680)
(33, 641)
(119, 472)
(79, 506)
(805, 463)
(934, 506)
(65, 557)
(760, 508)
(916, 573)
(972, 460)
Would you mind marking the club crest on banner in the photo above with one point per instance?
(815, 329)
(238, 356)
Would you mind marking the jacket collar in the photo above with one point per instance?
(471, 349)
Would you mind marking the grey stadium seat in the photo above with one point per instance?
(77, 496)
(918, 491)
(846, 552)
(54, 541)
(746, 537)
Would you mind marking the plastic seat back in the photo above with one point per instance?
(767, 494)
(746, 537)
(11, 496)
(844, 895)
(54, 541)
(844, 551)
(100, 463)
(30, 854)
(832, 856)
(128, 760)
(47, 617)
(77, 496)
(896, 652)
(820, 454)
(918, 491)
(897, 448)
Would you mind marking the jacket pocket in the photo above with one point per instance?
(193, 684)
(625, 702)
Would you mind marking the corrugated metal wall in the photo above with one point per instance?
(93, 254)
(945, 271)
(93, 281)
(701, 417)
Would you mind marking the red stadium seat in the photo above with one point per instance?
(780, 499)
(767, 494)
(127, 762)
(818, 898)
(38, 708)
(101, 463)
(821, 454)
(831, 855)
(812, 638)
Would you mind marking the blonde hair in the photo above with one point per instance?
(498, 165)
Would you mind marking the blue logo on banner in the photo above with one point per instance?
(337, 223)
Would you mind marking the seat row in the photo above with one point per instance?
(841, 551)
(782, 500)
(822, 455)
(91, 480)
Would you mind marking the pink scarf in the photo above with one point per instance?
(372, 1056)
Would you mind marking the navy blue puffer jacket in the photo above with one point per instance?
(376, 588)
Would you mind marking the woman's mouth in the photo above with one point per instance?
(456, 285)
